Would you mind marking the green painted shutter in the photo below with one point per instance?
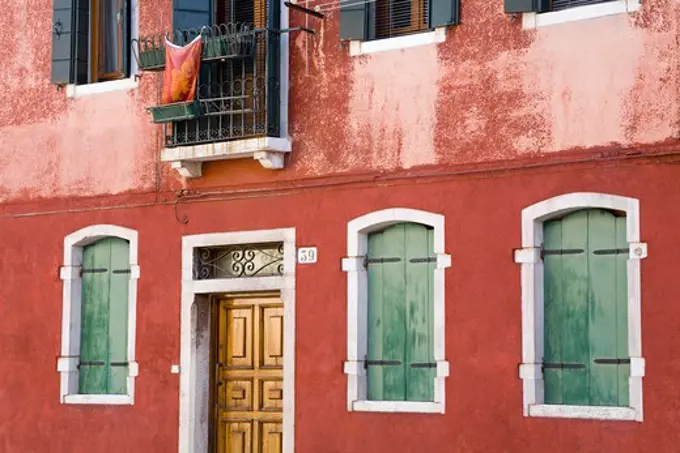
(191, 13)
(400, 364)
(104, 314)
(585, 330)
(353, 20)
(70, 27)
(444, 12)
(526, 6)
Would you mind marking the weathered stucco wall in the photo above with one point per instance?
(492, 91)
(483, 319)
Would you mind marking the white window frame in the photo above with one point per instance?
(195, 354)
(359, 47)
(357, 309)
(129, 83)
(67, 364)
(536, 20)
(529, 257)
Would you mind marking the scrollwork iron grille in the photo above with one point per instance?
(238, 261)
(239, 96)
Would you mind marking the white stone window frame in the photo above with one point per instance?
(358, 47)
(529, 257)
(129, 83)
(194, 383)
(357, 309)
(67, 364)
(536, 20)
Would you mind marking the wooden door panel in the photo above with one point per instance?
(272, 337)
(239, 394)
(248, 389)
(271, 437)
(239, 337)
(271, 395)
(236, 437)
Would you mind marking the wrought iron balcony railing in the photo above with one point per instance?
(238, 86)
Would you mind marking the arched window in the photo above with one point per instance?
(100, 272)
(396, 360)
(581, 308)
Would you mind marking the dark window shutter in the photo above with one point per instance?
(70, 26)
(444, 12)
(526, 6)
(353, 23)
(191, 13)
(125, 15)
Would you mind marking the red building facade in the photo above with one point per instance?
(467, 125)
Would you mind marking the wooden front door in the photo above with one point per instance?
(248, 381)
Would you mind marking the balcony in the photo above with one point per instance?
(237, 111)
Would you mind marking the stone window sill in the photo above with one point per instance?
(188, 160)
(536, 20)
(436, 36)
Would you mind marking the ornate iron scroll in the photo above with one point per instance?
(236, 261)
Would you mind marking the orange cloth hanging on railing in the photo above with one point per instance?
(182, 65)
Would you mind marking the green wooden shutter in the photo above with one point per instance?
(191, 13)
(526, 6)
(444, 12)
(353, 20)
(585, 330)
(400, 362)
(70, 43)
(104, 313)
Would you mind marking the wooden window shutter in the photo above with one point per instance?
(526, 6)
(191, 14)
(103, 367)
(400, 361)
(70, 26)
(444, 13)
(353, 20)
(586, 317)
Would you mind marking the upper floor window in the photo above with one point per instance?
(366, 20)
(100, 273)
(91, 41)
(582, 354)
(539, 13)
(395, 345)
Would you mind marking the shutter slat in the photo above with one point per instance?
(118, 318)
(419, 350)
(602, 312)
(94, 315)
(374, 375)
(621, 288)
(526, 6)
(62, 46)
(574, 278)
(191, 14)
(393, 315)
(353, 20)
(552, 344)
(444, 13)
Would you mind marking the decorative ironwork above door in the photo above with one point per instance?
(238, 261)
